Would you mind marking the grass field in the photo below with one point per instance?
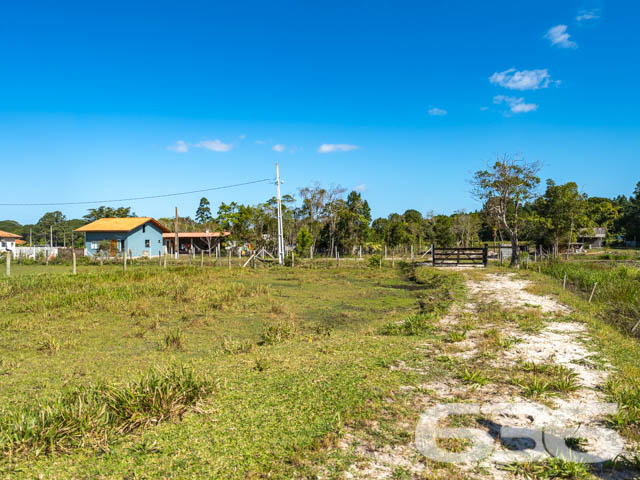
(280, 359)
(190, 372)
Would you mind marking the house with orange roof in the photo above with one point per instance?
(137, 236)
(8, 241)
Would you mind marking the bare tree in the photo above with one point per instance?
(504, 188)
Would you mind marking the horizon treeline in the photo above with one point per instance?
(330, 218)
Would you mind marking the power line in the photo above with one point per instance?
(134, 198)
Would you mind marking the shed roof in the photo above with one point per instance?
(4, 234)
(119, 224)
(196, 235)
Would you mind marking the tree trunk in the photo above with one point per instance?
(515, 252)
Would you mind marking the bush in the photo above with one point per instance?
(278, 332)
(91, 415)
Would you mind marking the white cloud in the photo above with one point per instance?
(214, 145)
(179, 147)
(360, 188)
(586, 15)
(437, 112)
(336, 147)
(558, 36)
(278, 147)
(522, 79)
(516, 104)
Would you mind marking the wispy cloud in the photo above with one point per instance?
(336, 147)
(179, 147)
(437, 112)
(516, 104)
(558, 36)
(214, 145)
(278, 147)
(522, 79)
(586, 15)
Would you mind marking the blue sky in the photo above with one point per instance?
(402, 100)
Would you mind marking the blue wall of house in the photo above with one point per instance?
(146, 240)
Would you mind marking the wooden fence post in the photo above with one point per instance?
(564, 281)
(74, 258)
(164, 262)
(593, 291)
(485, 255)
(393, 257)
(8, 263)
(124, 260)
(201, 258)
(293, 259)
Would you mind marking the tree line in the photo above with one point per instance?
(329, 219)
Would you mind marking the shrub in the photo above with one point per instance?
(278, 332)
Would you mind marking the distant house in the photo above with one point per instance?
(194, 241)
(592, 237)
(8, 241)
(138, 236)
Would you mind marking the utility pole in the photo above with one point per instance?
(177, 239)
(280, 236)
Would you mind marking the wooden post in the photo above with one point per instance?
(8, 263)
(385, 252)
(380, 259)
(176, 245)
(229, 259)
(593, 291)
(311, 252)
(337, 257)
(564, 281)
(124, 260)
(202, 258)
(160, 257)
(218, 253)
(293, 259)
(393, 257)
(485, 255)
(73, 254)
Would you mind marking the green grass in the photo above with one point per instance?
(281, 362)
(618, 288)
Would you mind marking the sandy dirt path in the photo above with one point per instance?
(561, 341)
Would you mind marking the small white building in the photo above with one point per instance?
(8, 241)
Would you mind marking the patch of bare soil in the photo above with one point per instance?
(545, 422)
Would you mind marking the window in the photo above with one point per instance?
(94, 245)
(147, 243)
(4, 244)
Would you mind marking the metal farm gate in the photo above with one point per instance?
(459, 256)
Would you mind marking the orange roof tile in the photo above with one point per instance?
(196, 234)
(4, 234)
(119, 224)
